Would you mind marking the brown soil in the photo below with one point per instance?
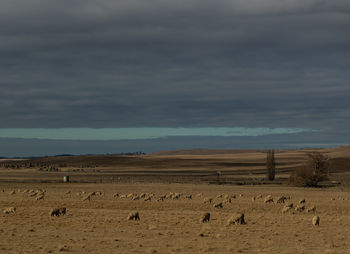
(171, 226)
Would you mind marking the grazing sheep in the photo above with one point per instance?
(130, 195)
(41, 197)
(316, 220)
(268, 199)
(208, 200)
(233, 196)
(136, 197)
(227, 200)
(287, 208)
(115, 195)
(169, 195)
(92, 194)
(302, 201)
(88, 197)
(218, 205)
(10, 210)
(122, 195)
(176, 196)
(300, 208)
(281, 200)
(12, 192)
(290, 205)
(311, 209)
(205, 217)
(253, 198)
(147, 199)
(133, 216)
(58, 211)
(188, 196)
(161, 198)
(259, 196)
(142, 195)
(219, 196)
(237, 219)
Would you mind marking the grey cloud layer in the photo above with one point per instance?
(175, 63)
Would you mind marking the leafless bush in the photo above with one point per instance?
(315, 170)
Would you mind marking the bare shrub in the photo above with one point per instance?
(315, 170)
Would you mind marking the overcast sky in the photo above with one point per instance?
(183, 63)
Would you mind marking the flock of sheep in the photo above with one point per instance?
(237, 219)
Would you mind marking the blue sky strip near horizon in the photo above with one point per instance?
(139, 133)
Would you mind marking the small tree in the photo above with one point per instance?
(315, 170)
(270, 165)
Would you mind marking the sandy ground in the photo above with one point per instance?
(172, 225)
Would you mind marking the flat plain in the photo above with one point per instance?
(171, 192)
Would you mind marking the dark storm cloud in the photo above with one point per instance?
(174, 63)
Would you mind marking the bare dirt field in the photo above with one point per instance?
(172, 225)
(171, 192)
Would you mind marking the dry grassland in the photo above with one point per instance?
(171, 225)
(172, 194)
